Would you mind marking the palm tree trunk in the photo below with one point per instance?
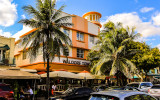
(48, 81)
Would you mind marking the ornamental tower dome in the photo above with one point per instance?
(93, 17)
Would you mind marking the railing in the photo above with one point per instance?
(59, 87)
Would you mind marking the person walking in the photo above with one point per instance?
(53, 89)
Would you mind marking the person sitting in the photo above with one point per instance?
(30, 92)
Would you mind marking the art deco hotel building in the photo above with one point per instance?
(83, 34)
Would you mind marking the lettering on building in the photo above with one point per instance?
(76, 62)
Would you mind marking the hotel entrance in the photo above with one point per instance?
(0, 56)
(4, 52)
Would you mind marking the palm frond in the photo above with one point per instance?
(114, 68)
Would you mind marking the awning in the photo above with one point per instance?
(151, 74)
(61, 74)
(6, 47)
(17, 74)
(86, 75)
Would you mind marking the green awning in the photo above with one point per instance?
(5, 47)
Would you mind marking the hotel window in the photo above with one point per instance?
(40, 51)
(93, 17)
(92, 39)
(80, 53)
(66, 52)
(80, 36)
(66, 32)
(24, 55)
(90, 17)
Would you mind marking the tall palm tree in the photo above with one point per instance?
(109, 54)
(47, 35)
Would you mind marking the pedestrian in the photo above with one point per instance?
(53, 88)
(30, 91)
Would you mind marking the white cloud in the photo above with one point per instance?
(133, 20)
(145, 39)
(21, 32)
(60, 0)
(156, 19)
(136, 1)
(158, 46)
(146, 9)
(23, 16)
(8, 12)
(5, 34)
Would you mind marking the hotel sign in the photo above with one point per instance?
(76, 62)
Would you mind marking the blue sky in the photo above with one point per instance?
(143, 14)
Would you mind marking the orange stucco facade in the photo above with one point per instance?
(87, 28)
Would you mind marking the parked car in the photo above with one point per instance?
(82, 93)
(127, 88)
(112, 88)
(121, 95)
(155, 91)
(142, 86)
(6, 92)
(100, 88)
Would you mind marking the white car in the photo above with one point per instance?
(142, 86)
(155, 91)
(121, 95)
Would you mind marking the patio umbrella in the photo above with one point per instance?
(17, 74)
(62, 74)
(86, 75)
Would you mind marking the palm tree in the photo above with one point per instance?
(47, 35)
(110, 55)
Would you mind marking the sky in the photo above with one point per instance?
(144, 15)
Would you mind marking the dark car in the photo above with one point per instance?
(6, 92)
(100, 88)
(82, 93)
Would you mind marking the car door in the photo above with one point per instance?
(133, 97)
(140, 97)
(86, 93)
(147, 97)
(77, 95)
(145, 86)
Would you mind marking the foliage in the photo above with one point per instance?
(110, 53)
(48, 36)
(146, 58)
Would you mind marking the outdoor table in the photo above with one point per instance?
(58, 92)
(27, 95)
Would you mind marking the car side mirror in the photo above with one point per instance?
(76, 93)
(143, 87)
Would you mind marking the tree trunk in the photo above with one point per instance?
(48, 81)
(145, 77)
(117, 79)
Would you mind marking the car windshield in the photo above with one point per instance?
(5, 88)
(69, 90)
(133, 85)
(102, 97)
(155, 87)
